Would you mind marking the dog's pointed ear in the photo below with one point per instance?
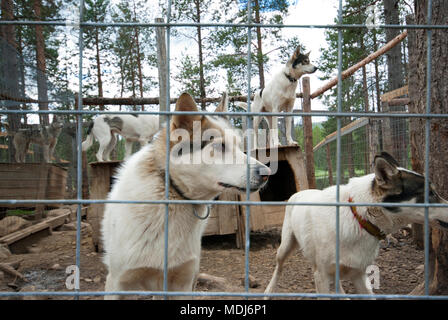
(223, 104)
(385, 167)
(296, 53)
(308, 53)
(185, 103)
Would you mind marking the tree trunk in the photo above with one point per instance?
(395, 67)
(377, 88)
(22, 74)
(438, 155)
(98, 66)
(9, 66)
(201, 58)
(42, 89)
(139, 66)
(9, 62)
(259, 45)
(365, 90)
(395, 78)
(139, 61)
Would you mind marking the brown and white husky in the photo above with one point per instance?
(134, 233)
(279, 96)
(312, 228)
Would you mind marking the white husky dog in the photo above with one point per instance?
(134, 233)
(361, 228)
(279, 95)
(131, 127)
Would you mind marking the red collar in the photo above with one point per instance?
(366, 224)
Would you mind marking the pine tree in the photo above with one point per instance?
(97, 39)
(356, 45)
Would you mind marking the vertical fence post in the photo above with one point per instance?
(308, 134)
(161, 61)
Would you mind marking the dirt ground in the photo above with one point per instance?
(400, 265)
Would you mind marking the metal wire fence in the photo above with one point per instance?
(357, 149)
(169, 25)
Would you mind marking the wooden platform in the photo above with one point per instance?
(32, 181)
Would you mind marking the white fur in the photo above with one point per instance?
(135, 129)
(278, 95)
(134, 233)
(312, 228)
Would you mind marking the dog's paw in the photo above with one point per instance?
(292, 143)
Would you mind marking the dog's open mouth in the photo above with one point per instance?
(229, 186)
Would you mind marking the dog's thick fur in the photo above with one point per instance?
(132, 128)
(134, 233)
(46, 136)
(312, 228)
(279, 96)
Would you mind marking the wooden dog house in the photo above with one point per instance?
(289, 178)
(31, 181)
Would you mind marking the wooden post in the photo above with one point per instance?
(388, 144)
(329, 166)
(308, 134)
(162, 67)
(85, 178)
(373, 140)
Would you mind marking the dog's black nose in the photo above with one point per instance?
(264, 172)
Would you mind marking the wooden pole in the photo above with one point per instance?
(162, 67)
(329, 166)
(373, 142)
(308, 134)
(155, 100)
(354, 68)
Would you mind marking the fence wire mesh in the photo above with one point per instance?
(337, 155)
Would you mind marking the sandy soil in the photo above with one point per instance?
(44, 266)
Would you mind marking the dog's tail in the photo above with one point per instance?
(89, 139)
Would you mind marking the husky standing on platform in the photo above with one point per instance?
(45, 136)
(133, 234)
(131, 127)
(279, 95)
(312, 228)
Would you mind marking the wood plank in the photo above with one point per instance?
(212, 227)
(101, 174)
(386, 97)
(256, 212)
(226, 214)
(352, 126)
(297, 163)
(275, 218)
(49, 223)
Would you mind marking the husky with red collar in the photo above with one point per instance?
(312, 228)
(279, 96)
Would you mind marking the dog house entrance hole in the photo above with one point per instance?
(281, 186)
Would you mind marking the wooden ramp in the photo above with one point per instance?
(45, 226)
